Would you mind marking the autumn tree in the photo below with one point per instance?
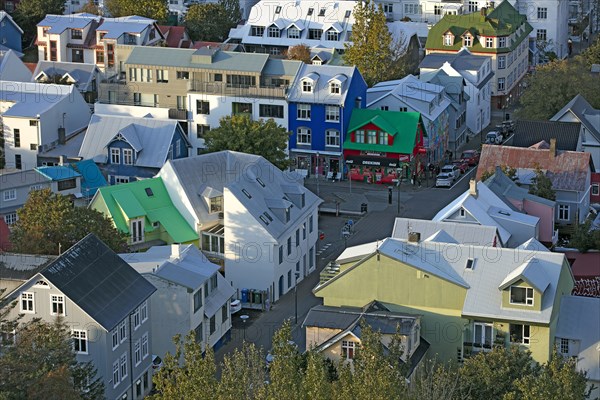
(509, 171)
(154, 9)
(541, 185)
(240, 133)
(48, 223)
(591, 55)
(243, 374)
(300, 52)
(208, 21)
(284, 370)
(434, 380)
(30, 12)
(91, 8)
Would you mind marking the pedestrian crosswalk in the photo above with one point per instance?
(323, 248)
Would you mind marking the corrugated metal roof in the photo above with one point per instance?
(505, 188)
(116, 27)
(58, 172)
(479, 235)
(320, 91)
(93, 277)
(82, 73)
(17, 179)
(275, 66)
(58, 23)
(31, 99)
(587, 115)
(531, 272)
(218, 297)
(91, 177)
(527, 133)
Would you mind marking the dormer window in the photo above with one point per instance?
(467, 40)
(448, 39)
(335, 88)
(256, 30)
(502, 42)
(274, 31)
(216, 204)
(307, 86)
(347, 14)
(315, 34)
(521, 295)
(293, 33)
(489, 42)
(277, 9)
(333, 35)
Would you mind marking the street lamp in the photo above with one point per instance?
(317, 172)
(296, 299)
(244, 318)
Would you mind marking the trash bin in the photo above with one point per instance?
(257, 297)
(363, 207)
(244, 295)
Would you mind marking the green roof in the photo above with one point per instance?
(504, 20)
(404, 126)
(149, 199)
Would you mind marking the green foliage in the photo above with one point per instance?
(508, 171)
(42, 365)
(285, 371)
(48, 220)
(233, 14)
(316, 383)
(591, 55)
(91, 8)
(299, 52)
(243, 375)
(435, 381)
(155, 9)
(29, 12)
(541, 185)
(240, 133)
(208, 21)
(544, 97)
(584, 238)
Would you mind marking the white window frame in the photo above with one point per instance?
(484, 326)
(27, 299)
(11, 218)
(349, 348)
(307, 86)
(468, 41)
(80, 337)
(303, 111)
(123, 362)
(144, 311)
(332, 139)
(57, 299)
(115, 155)
(489, 42)
(529, 295)
(119, 180)
(116, 375)
(332, 35)
(137, 351)
(564, 212)
(335, 88)
(501, 60)
(115, 338)
(128, 156)
(36, 187)
(144, 346)
(542, 13)
(122, 331)
(502, 42)
(293, 33)
(136, 319)
(501, 84)
(305, 134)
(563, 346)
(273, 32)
(448, 39)
(541, 34)
(595, 189)
(525, 340)
(10, 194)
(332, 113)
(136, 227)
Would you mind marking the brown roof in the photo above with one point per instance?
(173, 34)
(31, 66)
(568, 170)
(199, 45)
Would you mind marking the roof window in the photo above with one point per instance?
(260, 182)
(310, 12)
(277, 9)
(322, 12)
(149, 192)
(470, 263)
(248, 195)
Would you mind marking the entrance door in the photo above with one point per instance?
(281, 286)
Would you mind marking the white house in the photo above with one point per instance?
(261, 222)
(477, 72)
(12, 68)
(37, 117)
(191, 295)
(85, 77)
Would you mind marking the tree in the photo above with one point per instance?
(207, 21)
(371, 47)
(29, 12)
(433, 381)
(285, 371)
(42, 364)
(240, 133)
(584, 238)
(509, 171)
(155, 9)
(194, 378)
(541, 185)
(48, 222)
(591, 55)
(233, 14)
(91, 8)
(300, 52)
(316, 384)
(243, 374)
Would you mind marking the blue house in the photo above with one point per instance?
(127, 149)
(321, 101)
(10, 33)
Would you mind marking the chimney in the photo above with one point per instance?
(61, 135)
(473, 188)
(62, 160)
(414, 237)
(175, 251)
(552, 147)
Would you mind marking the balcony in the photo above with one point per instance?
(175, 113)
(240, 90)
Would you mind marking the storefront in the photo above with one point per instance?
(377, 169)
(310, 163)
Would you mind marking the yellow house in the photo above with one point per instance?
(470, 298)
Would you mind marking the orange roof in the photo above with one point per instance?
(568, 170)
(31, 66)
(173, 34)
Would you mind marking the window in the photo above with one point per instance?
(162, 76)
(122, 331)
(482, 334)
(137, 230)
(213, 244)
(216, 204)
(27, 303)
(348, 349)
(468, 41)
(542, 13)
(359, 136)
(202, 107)
(289, 245)
(137, 352)
(303, 136)
(501, 85)
(198, 333)
(198, 300)
(501, 62)
(18, 164)
(563, 212)
(241, 108)
(10, 218)
(332, 138)
(388, 8)
(502, 41)
(437, 10)
(270, 111)
(116, 379)
(403, 109)
(310, 12)
(333, 35)
(80, 344)
(213, 282)
(472, 7)
(564, 344)
(201, 130)
(307, 86)
(310, 224)
(541, 35)
(412, 8)
(315, 34)
(273, 31)
(519, 334)
(115, 338)
(10, 194)
(17, 136)
(298, 237)
(183, 75)
(332, 113)
(213, 325)
(489, 42)
(57, 305)
(293, 33)
(33, 147)
(335, 88)
(224, 314)
(595, 189)
(136, 318)
(372, 137)
(448, 39)
(119, 180)
(280, 254)
(67, 184)
(257, 30)
(123, 365)
(241, 81)
(311, 257)
(145, 345)
(127, 156)
(303, 111)
(115, 156)
(521, 295)
(383, 138)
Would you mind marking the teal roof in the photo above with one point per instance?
(58, 172)
(146, 199)
(404, 126)
(91, 177)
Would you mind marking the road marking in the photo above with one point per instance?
(323, 248)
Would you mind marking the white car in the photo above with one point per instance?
(235, 306)
(494, 137)
(444, 180)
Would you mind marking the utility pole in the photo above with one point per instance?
(296, 299)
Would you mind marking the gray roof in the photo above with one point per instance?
(150, 137)
(461, 61)
(480, 235)
(31, 99)
(238, 172)
(528, 133)
(83, 74)
(16, 179)
(69, 149)
(22, 266)
(174, 57)
(58, 23)
(218, 297)
(93, 276)
(323, 74)
(587, 115)
(275, 66)
(579, 319)
(115, 27)
(506, 189)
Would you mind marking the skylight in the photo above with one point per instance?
(149, 192)
(469, 265)
(266, 214)
(263, 219)
(248, 195)
(277, 9)
(347, 15)
(260, 182)
(322, 12)
(310, 12)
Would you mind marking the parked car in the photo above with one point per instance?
(156, 362)
(452, 170)
(494, 137)
(509, 125)
(470, 156)
(462, 165)
(444, 180)
(235, 306)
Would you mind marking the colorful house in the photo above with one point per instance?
(10, 32)
(381, 142)
(145, 212)
(470, 298)
(320, 104)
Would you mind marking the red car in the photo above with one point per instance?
(470, 156)
(462, 165)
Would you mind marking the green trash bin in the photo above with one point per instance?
(257, 297)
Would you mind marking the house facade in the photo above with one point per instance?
(256, 221)
(10, 33)
(37, 117)
(468, 300)
(191, 295)
(500, 33)
(117, 340)
(382, 146)
(412, 95)
(15, 187)
(321, 101)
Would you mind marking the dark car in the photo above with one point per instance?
(462, 164)
(470, 156)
